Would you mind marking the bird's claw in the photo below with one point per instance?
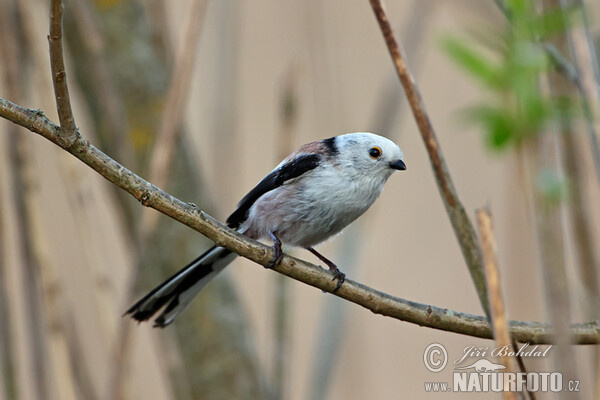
(277, 252)
(277, 257)
(340, 276)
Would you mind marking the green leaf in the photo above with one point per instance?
(553, 22)
(473, 61)
(500, 127)
(510, 65)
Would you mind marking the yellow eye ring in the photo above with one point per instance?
(375, 152)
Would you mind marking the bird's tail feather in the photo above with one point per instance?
(179, 290)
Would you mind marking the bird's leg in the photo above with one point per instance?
(337, 274)
(277, 252)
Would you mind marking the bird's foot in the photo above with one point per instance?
(277, 252)
(339, 275)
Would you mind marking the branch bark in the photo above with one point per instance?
(465, 233)
(59, 76)
(189, 214)
(499, 320)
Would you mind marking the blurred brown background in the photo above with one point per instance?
(264, 77)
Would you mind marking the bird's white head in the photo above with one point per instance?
(369, 154)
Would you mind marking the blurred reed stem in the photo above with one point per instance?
(164, 148)
(551, 244)
(8, 367)
(589, 76)
(573, 166)
(282, 297)
(26, 320)
(549, 222)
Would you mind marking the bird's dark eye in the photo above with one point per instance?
(375, 152)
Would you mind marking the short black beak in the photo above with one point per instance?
(398, 164)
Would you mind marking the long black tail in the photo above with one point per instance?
(179, 290)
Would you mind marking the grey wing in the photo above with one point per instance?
(290, 170)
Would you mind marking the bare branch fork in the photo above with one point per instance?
(149, 195)
(189, 214)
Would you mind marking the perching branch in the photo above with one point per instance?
(463, 228)
(189, 214)
(59, 76)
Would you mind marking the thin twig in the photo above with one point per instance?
(499, 320)
(189, 214)
(463, 228)
(59, 76)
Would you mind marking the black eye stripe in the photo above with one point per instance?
(375, 152)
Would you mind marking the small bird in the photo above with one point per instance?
(310, 196)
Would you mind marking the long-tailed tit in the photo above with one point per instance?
(312, 195)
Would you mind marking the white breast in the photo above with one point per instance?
(312, 208)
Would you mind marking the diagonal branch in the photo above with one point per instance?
(59, 76)
(463, 228)
(188, 214)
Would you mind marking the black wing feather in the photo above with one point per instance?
(293, 169)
